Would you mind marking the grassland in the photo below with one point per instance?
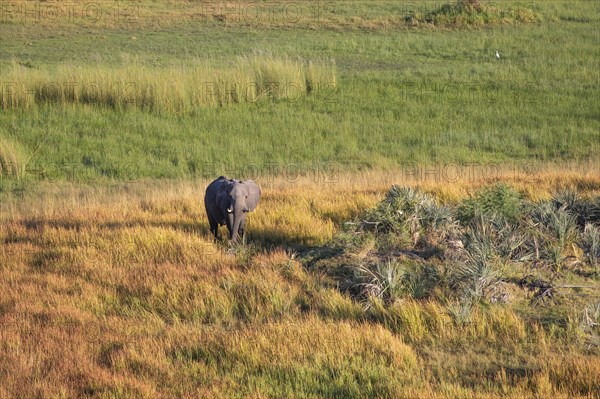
(111, 285)
(402, 93)
(120, 292)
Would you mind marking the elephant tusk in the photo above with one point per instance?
(230, 210)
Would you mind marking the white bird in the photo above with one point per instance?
(497, 54)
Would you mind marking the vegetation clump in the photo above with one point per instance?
(410, 246)
(180, 89)
(499, 200)
(473, 13)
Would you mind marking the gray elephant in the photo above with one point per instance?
(227, 202)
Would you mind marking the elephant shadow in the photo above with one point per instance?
(263, 237)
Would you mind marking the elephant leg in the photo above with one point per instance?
(242, 229)
(214, 227)
(229, 228)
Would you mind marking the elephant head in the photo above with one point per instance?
(235, 200)
(241, 199)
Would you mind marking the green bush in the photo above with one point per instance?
(590, 243)
(401, 207)
(391, 280)
(479, 273)
(474, 13)
(584, 210)
(558, 223)
(499, 200)
(409, 246)
(382, 281)
(406, 210)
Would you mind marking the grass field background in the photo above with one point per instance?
(112, 286)
(119, 291)
(399, 94)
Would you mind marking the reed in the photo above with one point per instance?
(180, 89)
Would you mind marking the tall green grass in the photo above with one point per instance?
(176, 89)
(11, 159)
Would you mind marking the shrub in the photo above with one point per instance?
(590, 243)
(391, 280)
(590, 325)
(474, 13)
(507, 240)
(478, 274)
(383, 281)
(396, 243)
(584, 210)
(557, 222)
(499, 200)
(399, 209)
(555, 230)
(406, 210)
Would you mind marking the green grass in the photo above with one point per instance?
(473, 13)
(183, 89)
(403, 94)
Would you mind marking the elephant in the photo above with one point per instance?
(227, 202)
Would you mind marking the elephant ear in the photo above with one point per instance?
(222, 198)
(253, 195)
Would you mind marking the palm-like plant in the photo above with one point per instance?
(590, 242)
(590, 325)
(384, 281)
(478, 273)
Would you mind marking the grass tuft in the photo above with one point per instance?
(12, 162)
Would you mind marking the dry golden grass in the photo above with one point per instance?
(119, 291)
